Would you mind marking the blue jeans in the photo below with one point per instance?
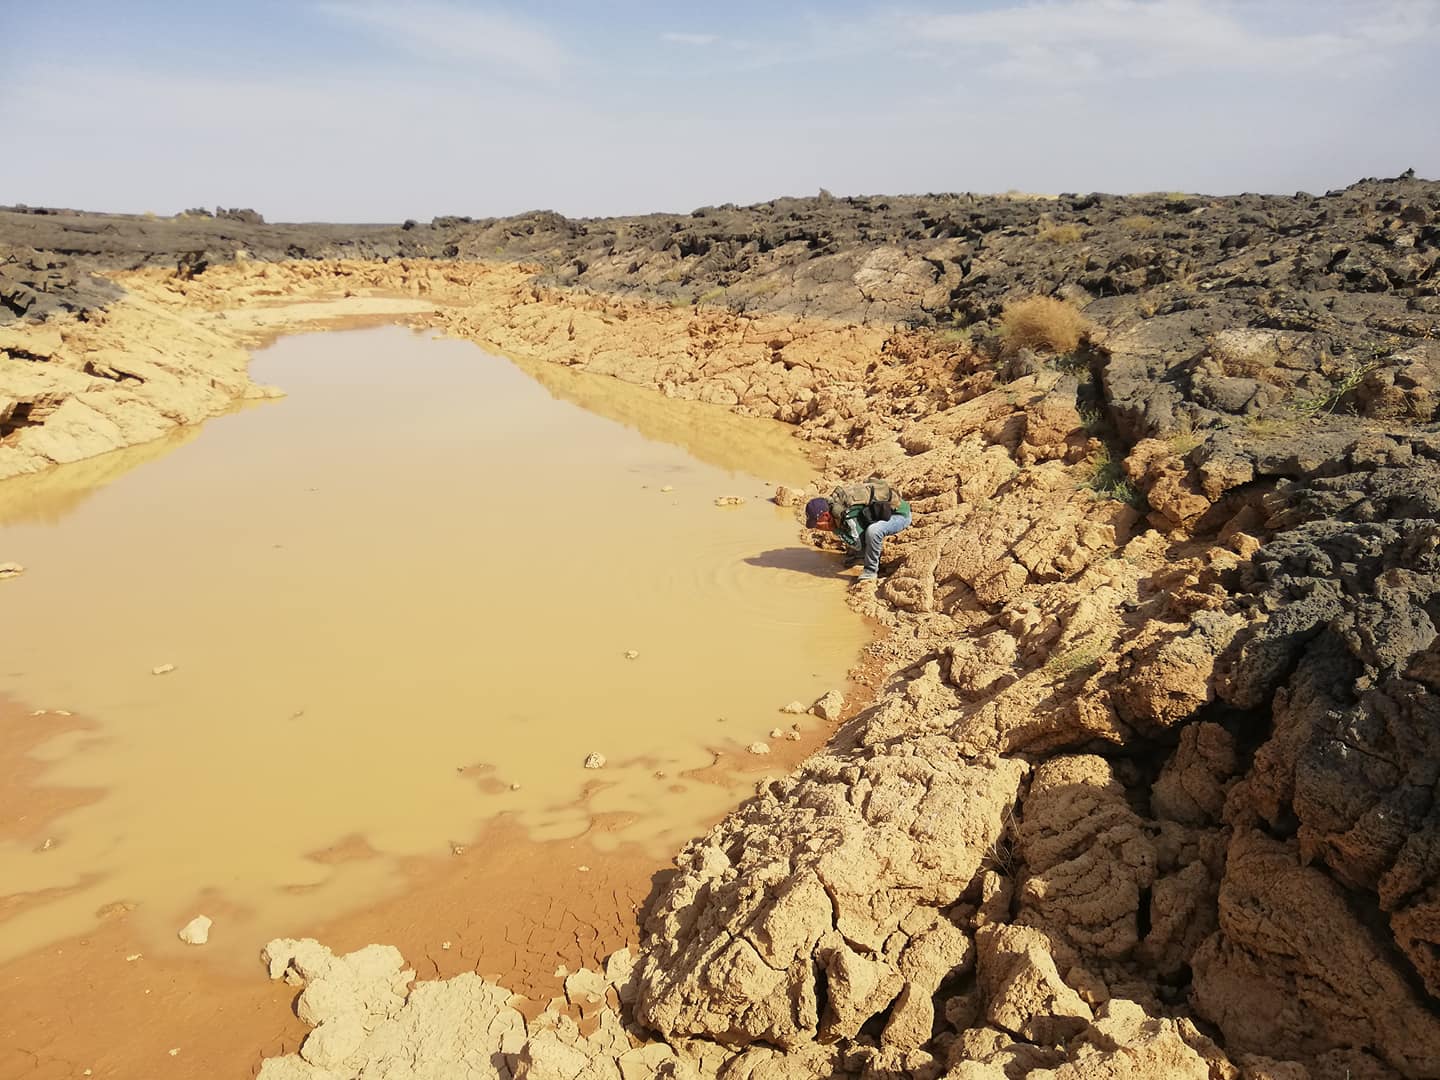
(874, 539)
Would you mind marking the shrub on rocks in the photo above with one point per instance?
(1044, 324)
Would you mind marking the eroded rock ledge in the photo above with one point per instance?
(1150, 785)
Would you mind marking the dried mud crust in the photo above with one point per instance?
(1150, 784)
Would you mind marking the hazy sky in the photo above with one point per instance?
(359, 110)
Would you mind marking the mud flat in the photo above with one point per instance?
(1148, 787)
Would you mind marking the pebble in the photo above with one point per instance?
(133, 957)
(632, 654)
(445, 945)
(47, 845)
(758, 748)
(162, 669)
(595, 761)
(793, 736)
(776, 733)
(63, 712)
(583, 869)
(730, 500)
(795, 708)
(175, 1051)
(514, 787)
(196, 931)
(10, 569)
(667, 489)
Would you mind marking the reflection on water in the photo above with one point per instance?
(49, 496)
(398, 603)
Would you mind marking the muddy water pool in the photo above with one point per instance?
(398, 603)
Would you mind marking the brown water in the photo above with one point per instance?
(398, 603)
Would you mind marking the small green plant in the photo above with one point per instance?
(1340, 385)
(1072, 363)
(1092, 420)
(1107, 479)
(1184, 438)
(1182, 442)
(1080, 658)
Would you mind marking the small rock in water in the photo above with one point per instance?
(196, 931)
(829, 706)
(795, 708)
(730, 500)
(788, 496)
(632, 654)
(595, 761)
(162, 669)
(133, 957)
(174, 1051)
(793, 736)
(445, 945)
(62, 712)
(667, 489)
(758, 748)
(776, 733)
(47, 845)
(514, 787)
(11, 569)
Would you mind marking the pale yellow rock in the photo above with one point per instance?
(196, 931)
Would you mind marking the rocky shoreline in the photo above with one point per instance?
(1153, 784)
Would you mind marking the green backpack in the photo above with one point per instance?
(880, 498)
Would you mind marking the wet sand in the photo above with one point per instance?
(513, 910)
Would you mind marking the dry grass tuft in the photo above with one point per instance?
(1062, 234)
(1044, 324)
(1140, 225)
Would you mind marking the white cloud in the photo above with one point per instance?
(463, 33)
(1081, 40)
(678, 38)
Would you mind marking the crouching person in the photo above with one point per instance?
(861, 515)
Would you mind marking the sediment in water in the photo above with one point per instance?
(1140, 764)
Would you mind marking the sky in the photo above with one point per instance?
(362, 110)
